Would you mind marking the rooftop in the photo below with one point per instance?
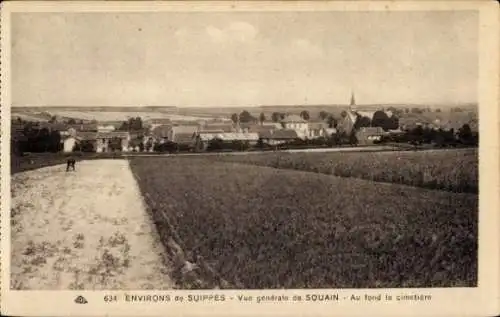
(293, 119)
(279, 134)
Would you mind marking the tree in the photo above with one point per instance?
(136, 124)
(417, 135)
(215, 145)
(362, 122)
(115, 144)
(71, 121)
(245, 116)
(323, 115)
(262, 117)
(407, 110)
(332, 122)
(53, 119)
(149, 144)
(465, 134)
(392, 109)
(234, 117)
(353, 139)
(393, 123)
(124, 126)
(55, 141)
(380, 119)
(275, 117)
(305, 115)
(438, 110)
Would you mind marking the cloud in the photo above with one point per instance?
(215, 34)
(239, 32)
(302, 48)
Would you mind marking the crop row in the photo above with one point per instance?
(269, 228)
(450, 170)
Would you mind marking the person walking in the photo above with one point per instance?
(70, 163)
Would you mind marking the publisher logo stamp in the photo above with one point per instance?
(81, 300)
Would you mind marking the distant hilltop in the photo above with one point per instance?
(264, 107)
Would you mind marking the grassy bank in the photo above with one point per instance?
(32, 161)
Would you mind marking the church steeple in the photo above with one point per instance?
(352, 104)
(353, 100)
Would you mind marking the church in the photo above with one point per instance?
(366, 134)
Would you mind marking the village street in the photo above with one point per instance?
(86, 229)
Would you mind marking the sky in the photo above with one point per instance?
(218, 59)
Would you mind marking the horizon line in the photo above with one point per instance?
(252, 106)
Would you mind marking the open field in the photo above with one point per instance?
(83, 114)
(452, 170)
(83, 230)
(260, 227)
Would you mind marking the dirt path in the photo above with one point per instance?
(83, 230)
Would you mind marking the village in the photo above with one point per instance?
(355, 126)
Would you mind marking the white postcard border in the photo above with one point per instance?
(483, 300)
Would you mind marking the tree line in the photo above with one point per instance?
(36, 140)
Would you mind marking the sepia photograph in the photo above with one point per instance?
(244, 150)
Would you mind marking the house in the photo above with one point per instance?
(369, 135)
(184, 140)
(182, 131)
(69, 143)
(225, 127)
(161, 133)
(295, 122)
(259, 127)
(318, 129)
(109, 141)
(84, 127)
(100, 141)
(275, 137)
(203, 138)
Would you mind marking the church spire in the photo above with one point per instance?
(353, 100)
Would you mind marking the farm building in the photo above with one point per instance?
(156, 122)
(369, 135)
(275, 137)
(203, 138)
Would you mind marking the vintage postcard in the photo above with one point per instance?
(250, 158)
